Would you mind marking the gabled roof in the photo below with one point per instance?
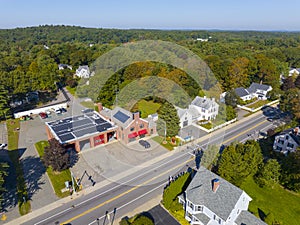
(180, 111)
(221, 202)
(205, 103)
(83, 68)
(241, 92)
(255, 86)
(246, 218)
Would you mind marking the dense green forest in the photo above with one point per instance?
(29, 56)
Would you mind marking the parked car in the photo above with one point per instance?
(2, 145)
(58, 111)
(144, 143)
(43, 115)
(63, 110)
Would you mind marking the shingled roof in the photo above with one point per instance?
(221, 202)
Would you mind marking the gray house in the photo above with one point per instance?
(287, 141)
(211, 200)
(255, 90)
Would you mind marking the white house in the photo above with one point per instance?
(287, 141)
(83, 72)
(294, 71)
(211, 200)
(205, 108)
(255, 90)
(64, 66)
(201, 108)
(185, 117)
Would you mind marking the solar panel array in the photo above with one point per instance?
(122, 117)
(78, 126)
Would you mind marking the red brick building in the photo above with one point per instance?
(130, 126)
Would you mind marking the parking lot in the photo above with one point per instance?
(106, 161)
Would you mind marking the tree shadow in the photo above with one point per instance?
(261, 214)
(33, 171)
(73, 156)
(10, 198)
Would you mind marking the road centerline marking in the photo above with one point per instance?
(124, 193)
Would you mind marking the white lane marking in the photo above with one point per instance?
(128, 203)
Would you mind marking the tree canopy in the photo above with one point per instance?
(56, 156)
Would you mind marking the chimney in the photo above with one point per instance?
(136, 115)
(215, 184)
(296, 130)
(100, 107)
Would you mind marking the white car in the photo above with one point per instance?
(2, 145)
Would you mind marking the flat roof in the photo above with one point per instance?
(75, 127)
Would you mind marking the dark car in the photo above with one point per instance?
(144, 143)
(43, 115)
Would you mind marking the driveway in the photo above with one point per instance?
(39, 187)
(105, 161)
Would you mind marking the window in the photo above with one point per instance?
(220, 221)
(141, 125)
(131, 128)
(290, 145)
(215, 217)
(199, 208)
(287, 137)
(191, 205)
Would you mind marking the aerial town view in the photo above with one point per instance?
(149, 112)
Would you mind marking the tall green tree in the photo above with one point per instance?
(4, 103)
(238, 161)
(168, 113)
(269, 174)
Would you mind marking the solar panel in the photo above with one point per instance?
(121, 117)
(74, 127)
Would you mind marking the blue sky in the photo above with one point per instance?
(176, 14)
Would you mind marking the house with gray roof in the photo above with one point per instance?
(287, 141)
(255, 90)
(201, 108)
(211, 200)
(83, 72)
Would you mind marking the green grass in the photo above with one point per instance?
(282, 204)
(148, 107)
(258, 104)
(57, 178)
(207, 125)
(13, 133)
(88, 104)
(168, 144)
(71, 90)
(170, 200)
(13, 141)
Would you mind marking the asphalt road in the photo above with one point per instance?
(117, 199)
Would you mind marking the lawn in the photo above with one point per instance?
(258, 104)
(168, 144)
(170, 200)
(71, 90)
(13, 127)
(148, 108)
(282, 204)
(88, 104)
(57, 178)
